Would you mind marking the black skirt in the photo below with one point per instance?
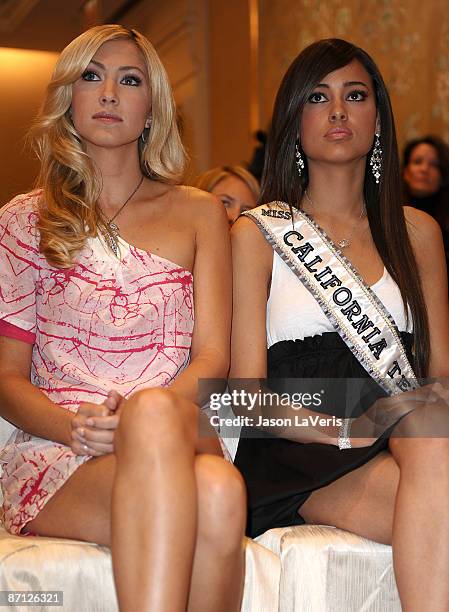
(281, 474)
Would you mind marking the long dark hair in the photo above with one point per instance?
(281, 181)
(441, 209)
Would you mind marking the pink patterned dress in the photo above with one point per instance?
(108, 323)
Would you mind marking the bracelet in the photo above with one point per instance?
(344, 441)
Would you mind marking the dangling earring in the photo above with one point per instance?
(144, 134)
(299, 160)
(376, 159)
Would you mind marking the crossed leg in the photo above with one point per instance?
(401, 498)
(174, 519)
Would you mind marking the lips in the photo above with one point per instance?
(108, 117)
(338, 133)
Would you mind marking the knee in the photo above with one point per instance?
(427, 420)
(154, 419)
(421, 440)
(430, 451)
(221, 500)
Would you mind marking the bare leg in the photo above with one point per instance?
(400, 499)
(156, 535)
(361, 502)
(80, 510)
(151, 485)
(219, 556)
(421, 523)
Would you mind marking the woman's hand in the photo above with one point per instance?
(387, 412)
(94, 425)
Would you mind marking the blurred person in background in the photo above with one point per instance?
(426, 180)
(237, 188)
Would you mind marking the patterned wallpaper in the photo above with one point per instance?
(408, 39)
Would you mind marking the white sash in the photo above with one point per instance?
(351, 306)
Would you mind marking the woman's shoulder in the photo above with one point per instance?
(194, 197)
(21, 210)
(426, 240)
(249, 243)
(18, 232)
(421, 227)
(246, 227)
(198, 206)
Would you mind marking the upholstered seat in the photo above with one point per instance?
(306, 569)
(83, 571)
(324, 569)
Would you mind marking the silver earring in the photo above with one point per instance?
(299, 160)
(376, 160)
(146, 129)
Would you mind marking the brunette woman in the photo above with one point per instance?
(426, 180)
(338, 281)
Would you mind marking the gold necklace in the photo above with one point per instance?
(344, 243)
(111, 230)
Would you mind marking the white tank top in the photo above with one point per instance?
(293, 313)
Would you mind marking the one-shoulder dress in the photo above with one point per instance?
(107, 323)
(302, 344)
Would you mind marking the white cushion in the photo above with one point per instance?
(329, 570)
(83, 571)
(262, 576)
(306, 569)
(6, 429)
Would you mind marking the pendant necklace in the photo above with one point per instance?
(344, 243)
(111, 230)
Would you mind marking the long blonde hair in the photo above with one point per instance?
(69, 211)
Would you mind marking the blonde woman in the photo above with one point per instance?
(97, 304)
(236, 188)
